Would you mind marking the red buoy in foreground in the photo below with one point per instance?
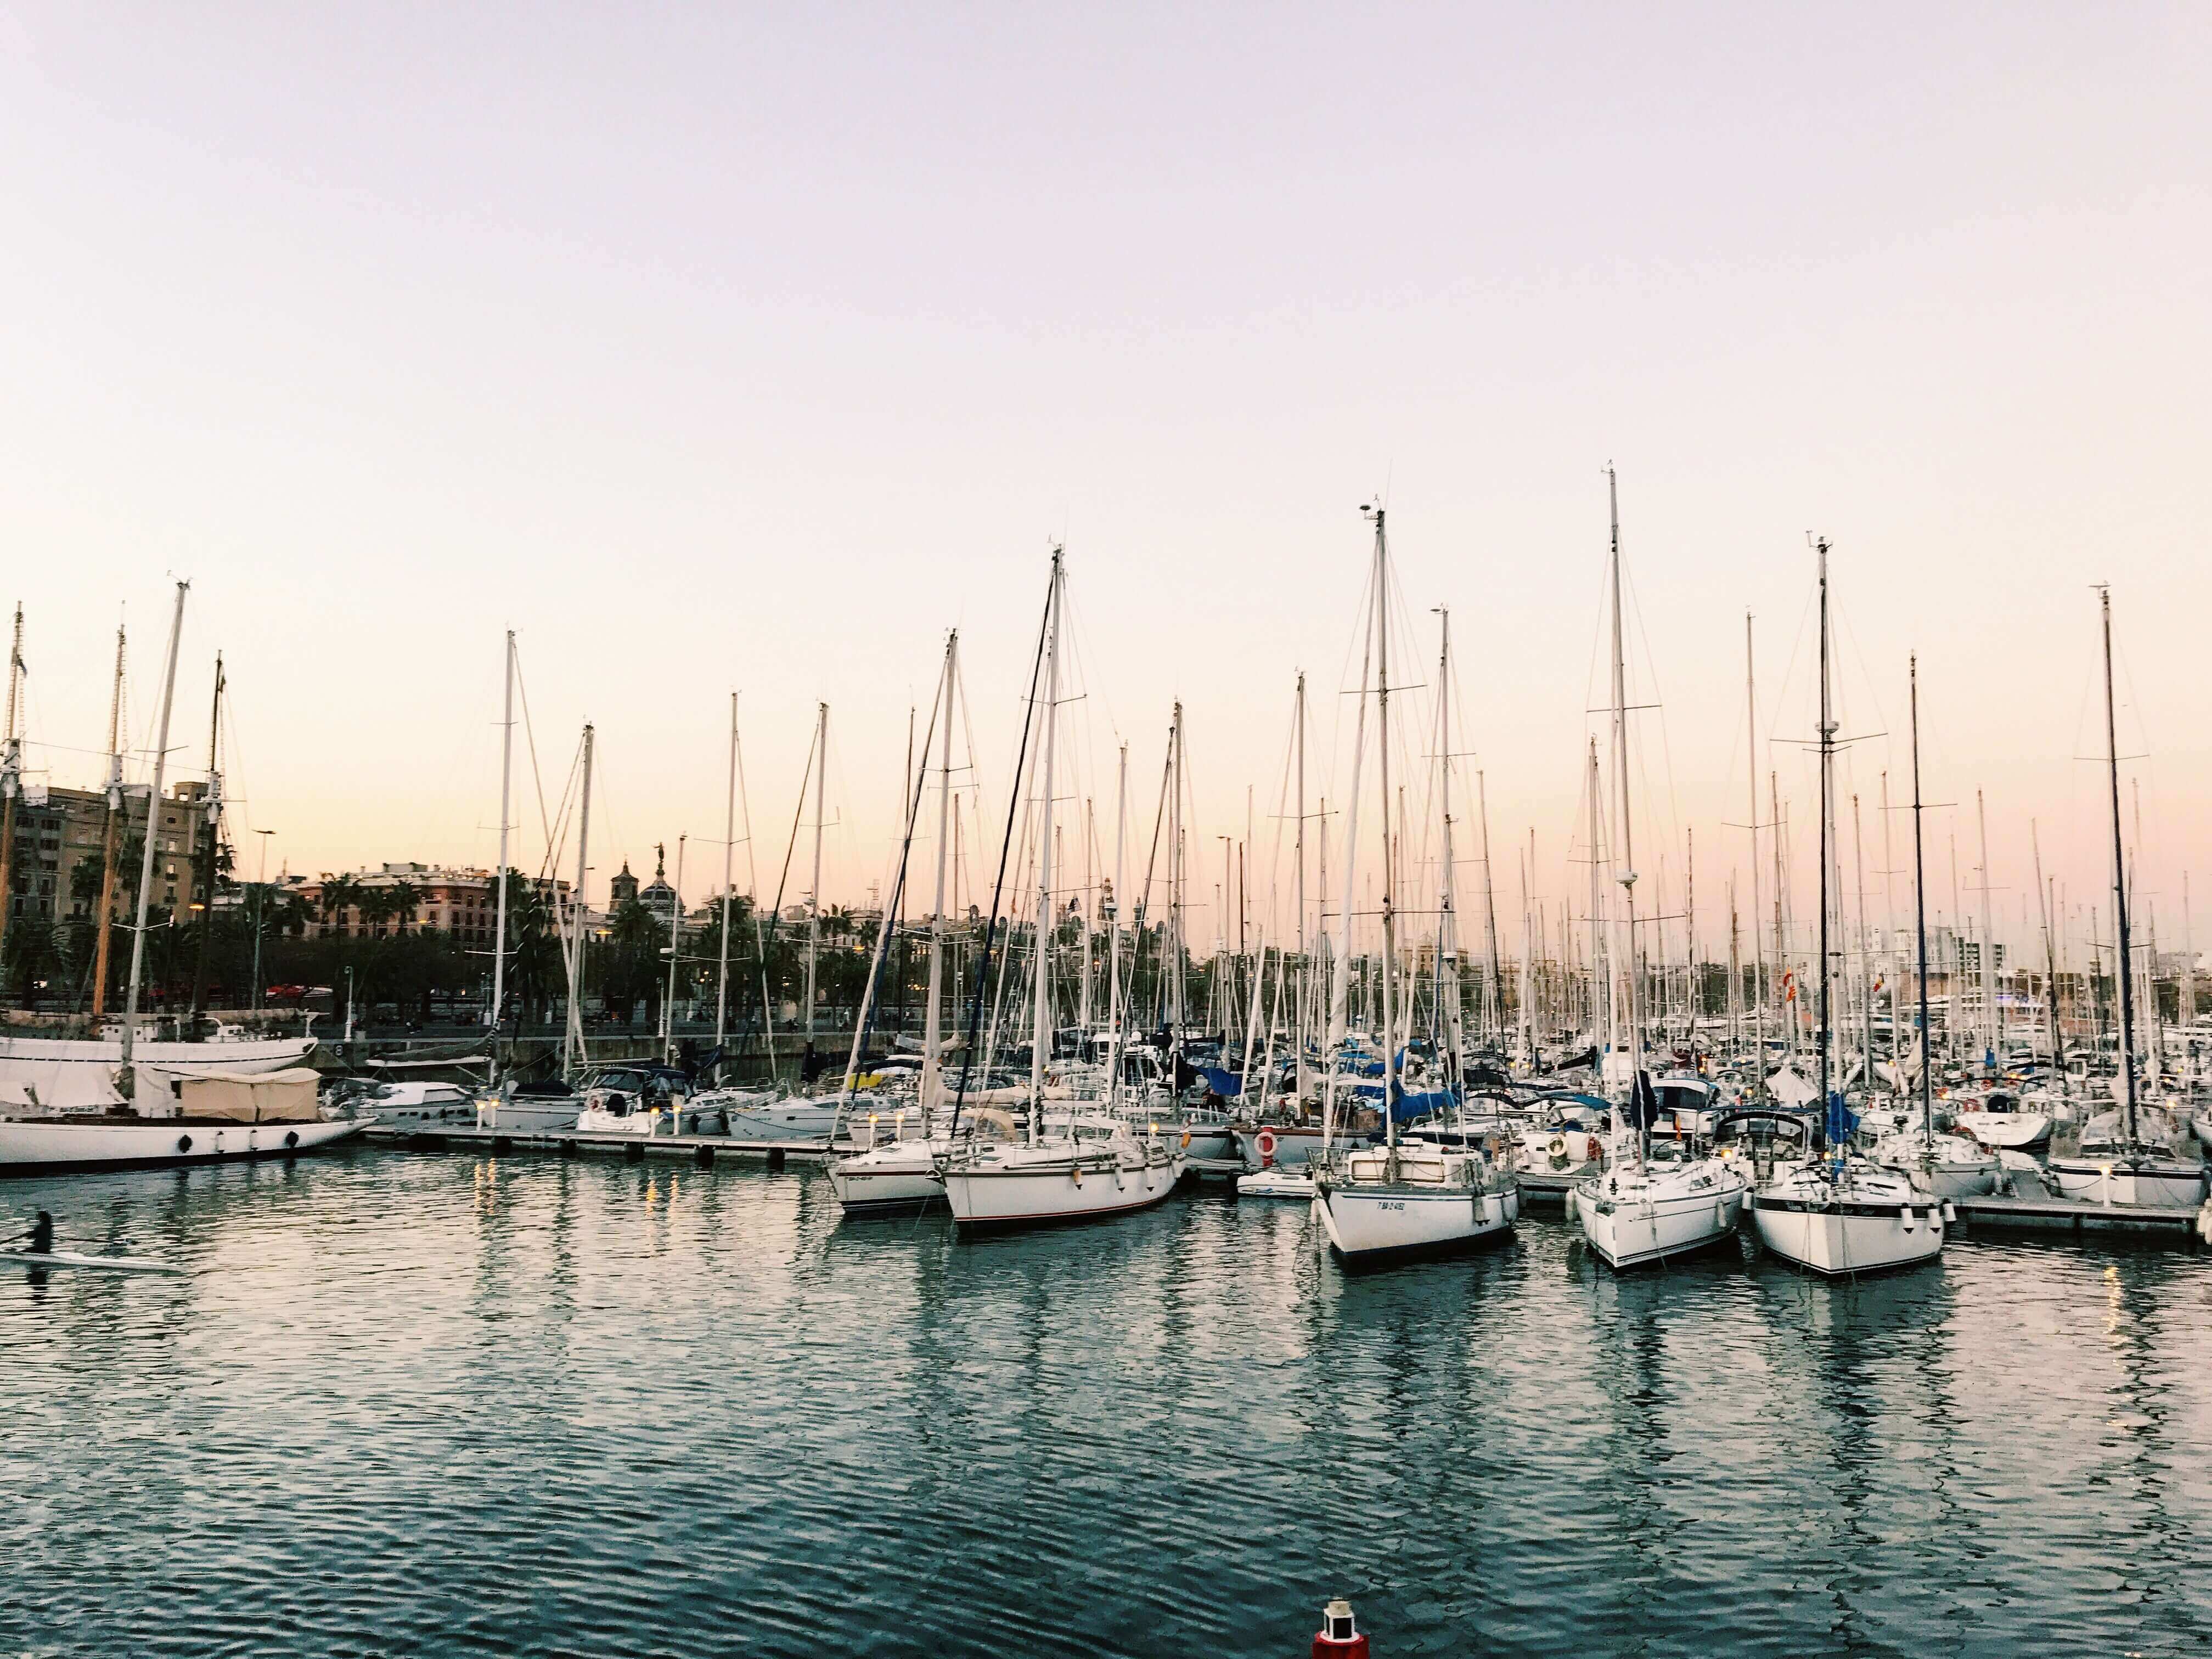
(1337, 1639)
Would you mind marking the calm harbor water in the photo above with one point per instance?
(430, 1405)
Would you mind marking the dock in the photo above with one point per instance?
(567, 1143)
(2074, 1220)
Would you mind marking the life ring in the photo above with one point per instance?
(1266, 1142)
(1559, 1146)
(1595, 1150)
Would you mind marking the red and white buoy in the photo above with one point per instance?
(1337, 1638)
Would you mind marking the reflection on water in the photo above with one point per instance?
(409, 1404)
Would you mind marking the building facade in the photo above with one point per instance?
(60, 830)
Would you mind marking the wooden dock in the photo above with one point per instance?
(567, 1143)
(2067, 1217)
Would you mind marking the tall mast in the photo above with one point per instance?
(1601, 1002)
(126, 1078)
(1389, 894)
(1177, 1013)
(1888, 924)
(933, 1057)
(578, 909)
(2050, 953)
(675, 950)
(814, 907)
(1991, 1033)
(1447, 923)
(1040, 1032)
(1113, 937)
(499, 879)
(1298, 1023)
(1866, 956)
(11, 777)
(1626, 853)
(1493, 993)
(2124, 975)
(210, 833)
(111, 842)
(1920, 917)
(1827, 829)
(729, 855)
(1758, 944)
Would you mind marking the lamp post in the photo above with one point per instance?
(260, 900)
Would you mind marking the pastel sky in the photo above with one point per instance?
(748, 349)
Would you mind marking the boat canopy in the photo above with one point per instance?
(285, 1096)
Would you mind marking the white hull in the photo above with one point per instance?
(25, 1059)
(57, 1146)
(1373, 1224)
(764, 1118)
(2158, 1183)
(2011, 1132)
(1007, 1187)
(1669, 1217)
(527, 1115)
(1951, 1168)
(1862, 1225)
(885, 1180)
(1275, 1183)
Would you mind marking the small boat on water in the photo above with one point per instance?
(1997, 1120)
(1296, 1184)
(114, 1264)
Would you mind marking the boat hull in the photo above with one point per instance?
(1835, 1239)
(781, 1120)
(2010, 1132)
(889, 1181)
(2156, 1183)
(1376, 1223)
(525, 1116)
(64, 1147)
(1002, 1198)
(1632, 1232)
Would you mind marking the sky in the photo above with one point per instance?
(719, 350)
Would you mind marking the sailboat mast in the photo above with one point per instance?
(111, 852)
(1114, 935)
(1389, 894)
(1920, 917)
(1493, 999)
(1827, 828)
(12, 776)
(126, 1080)
(675, 952)
(2124, 975)
(729, 857)
(1298, 1021)
(1992, 1034)
(814, 906)
(499, 878)
(932, 1060)
(1040, 1032)
(1866, 956)
(210, 832)
(1447, 922)
(1758, 942)
(2050, 954)
(578, 909)
(1626, 853)
(1601, 1009)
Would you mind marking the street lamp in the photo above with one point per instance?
(260, 898)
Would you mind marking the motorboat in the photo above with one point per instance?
(415, 1105)
(530, 1107)
(1295, 1184)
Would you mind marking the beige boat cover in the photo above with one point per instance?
(286, 1097)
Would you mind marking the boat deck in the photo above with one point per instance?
(699, 1149)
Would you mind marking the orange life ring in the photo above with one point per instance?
(1595, 1149)
(1267, 1145)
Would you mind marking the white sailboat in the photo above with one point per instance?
(1077, 1169)
(1664, 1198)
(1400, 1199)
(1839, 1214)
(894, 1173)
(163, 1110)
(2123, 1168)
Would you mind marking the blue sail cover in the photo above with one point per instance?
(1410, 1107)
(1227, 1084)
(1843, 1123)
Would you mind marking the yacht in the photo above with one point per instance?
(1668, 1199)
(415, 1105)
(1843, 1215)
(530, 1107)
(1998, 1121)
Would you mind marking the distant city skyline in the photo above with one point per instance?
(740, 354)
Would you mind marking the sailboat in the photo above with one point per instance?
(1839, 1214)
(1077, 1168)
(2123, 1168)
(1949, 1166)
(46, 1074)
(1402, 1199)
(896, 1172)
(1659, 1199)
(159, 1111)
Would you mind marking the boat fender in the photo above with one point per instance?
(1950, 1211)
(183, 1142)
(1267, 1145)
(1907, 1216)
(291, 1137)
(1594, 1151)
(1075, 1173)
(1186, 1140)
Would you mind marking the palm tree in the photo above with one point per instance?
(404, 899)
(340, 894)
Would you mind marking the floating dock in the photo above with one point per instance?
(567, 1143)
(2067, 1217)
